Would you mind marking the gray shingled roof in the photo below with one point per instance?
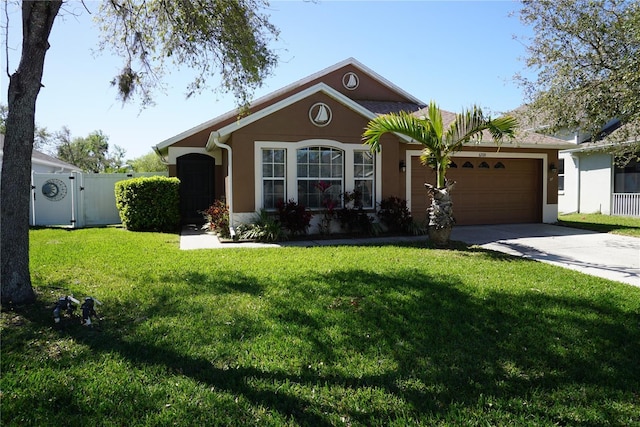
(385, 107)
(525, 137)
(44, 158)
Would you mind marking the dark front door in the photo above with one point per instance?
(196, 174)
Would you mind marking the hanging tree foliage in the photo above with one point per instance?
(229, 39)
(586, 54)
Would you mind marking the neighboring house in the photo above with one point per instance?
(311, 132)
(590, 181)
(43, 163)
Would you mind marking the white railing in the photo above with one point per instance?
(626, 204)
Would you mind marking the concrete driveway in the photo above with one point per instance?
(600, 254)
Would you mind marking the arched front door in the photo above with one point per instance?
(197, 186)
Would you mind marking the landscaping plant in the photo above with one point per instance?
(265, 228)
(352, 216)
(294, 217)
(149, 203)
(439, 141)
(216, 218)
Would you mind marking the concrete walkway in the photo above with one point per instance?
(599, 254)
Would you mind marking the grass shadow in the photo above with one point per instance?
(421, 339)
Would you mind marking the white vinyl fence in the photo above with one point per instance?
(76, 199)
(626, 204)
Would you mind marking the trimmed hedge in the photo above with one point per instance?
(149, 203)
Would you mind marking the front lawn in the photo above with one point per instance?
(625, 225)
(319, 336)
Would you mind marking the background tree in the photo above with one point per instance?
(230, 38)
(149, 162)
(440, 142)
(91, 153)
(42, 138)
(586, 55)
(3, 118)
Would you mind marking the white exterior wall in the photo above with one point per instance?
(568, 198)
(596, 183)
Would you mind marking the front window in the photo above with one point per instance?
(273, 177)
(627, 178)
(363, 173)
(561, 175)
(320, 176)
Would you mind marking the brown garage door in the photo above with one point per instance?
(487, 191)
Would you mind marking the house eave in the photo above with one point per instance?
(596, 147)
(509, 144)
(66, 167)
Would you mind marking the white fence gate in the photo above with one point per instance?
(76, 199)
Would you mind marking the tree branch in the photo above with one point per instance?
(6, 36)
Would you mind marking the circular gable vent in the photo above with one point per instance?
(350, 80)
(320, 114)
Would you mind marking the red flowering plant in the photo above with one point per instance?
(216, 218)
(352, 216)
(293, 217)
(329, 204)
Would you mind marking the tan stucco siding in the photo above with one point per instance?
(243, 172)
(392, 182)
(196, 140)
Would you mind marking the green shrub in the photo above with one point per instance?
(149, 203)
(265, 229)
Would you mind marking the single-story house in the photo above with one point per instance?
(592, 182)
(311, 131)
(43, 163)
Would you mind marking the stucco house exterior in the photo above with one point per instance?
(311, 131)
(591, 182)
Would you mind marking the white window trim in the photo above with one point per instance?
(366, 179)
(262, 177)
(291, 184)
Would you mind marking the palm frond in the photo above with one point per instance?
(471, 123)
(503, 127)
(401, 123)
(438, 145)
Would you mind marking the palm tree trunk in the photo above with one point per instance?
(440, 214)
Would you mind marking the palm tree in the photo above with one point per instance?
(439, 144)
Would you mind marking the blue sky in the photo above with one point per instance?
(458, 53)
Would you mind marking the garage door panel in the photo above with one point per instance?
(509, 194)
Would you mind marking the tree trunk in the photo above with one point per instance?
(24, 86)
(440, 214)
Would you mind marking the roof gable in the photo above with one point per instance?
(223, 133)
(348, 81)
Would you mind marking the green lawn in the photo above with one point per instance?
(359, 336)
(628, 226)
